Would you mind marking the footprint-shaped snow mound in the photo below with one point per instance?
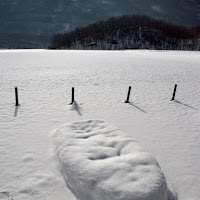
(100, 163)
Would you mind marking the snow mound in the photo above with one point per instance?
(100, 163)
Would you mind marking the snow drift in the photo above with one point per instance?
(100, 163)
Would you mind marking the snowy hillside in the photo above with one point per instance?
(129, 32)
(30, 166)
(30, 23)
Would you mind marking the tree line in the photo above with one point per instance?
(129, 32)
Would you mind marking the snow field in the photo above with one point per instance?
(168, 130)
(100, 163)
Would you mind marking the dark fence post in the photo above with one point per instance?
(173, 96)
(16, 96)
(129, 92)
(72, 96)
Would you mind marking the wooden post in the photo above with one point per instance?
(16, 96)
(174, 93)
(72, 96)
(129, 92)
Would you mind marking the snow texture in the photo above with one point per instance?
(100, 163)
(169, 130)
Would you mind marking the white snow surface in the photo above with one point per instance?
(99, 162)
(169, 130)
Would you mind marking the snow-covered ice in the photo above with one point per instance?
(29, 168)
(99, 162)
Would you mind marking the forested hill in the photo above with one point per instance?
(130, 32)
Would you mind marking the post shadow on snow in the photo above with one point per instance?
(131, 103)
(76, 107)
(185, 105)
(16, 111)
